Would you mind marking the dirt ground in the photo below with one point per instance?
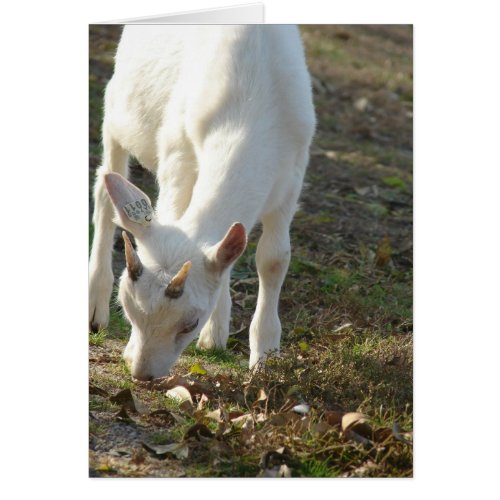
(346, 305)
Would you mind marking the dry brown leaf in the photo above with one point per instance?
(123, 416)
(166, 383)
(194, 386)
(128, 401)
(93, 389)
(202, 402)
(199, 432)
(182, 396)
(242, 420)
(233, 415)
(380, 435)
(405, 437)
(214, 415)
(334, 418)
(261, 396)
(179, 393)
(179, 450)
(358, 438)
(358, 423)
(164, 417)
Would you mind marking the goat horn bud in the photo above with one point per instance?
(176, 285)
(134, 265)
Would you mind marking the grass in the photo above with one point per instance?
(98, 338)
(345, 308)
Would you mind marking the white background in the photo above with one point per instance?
(44, 190)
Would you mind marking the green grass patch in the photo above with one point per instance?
(95, 428)
(317, 468)
(223, 358)
(97, 339)
(396, 182)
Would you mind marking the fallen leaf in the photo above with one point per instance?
(354, 436)
(356, 422)
(162, 416)
(380, 435)
(105, 468)
(304, 347)
(261, 396)
(198, 388)
(233, 415)
(260, 417)
(214, 415)
(123, 416)
(202, 402)
(195, 387)
(198, 369)
(242, 420)
(163, 383)
(179, 450)
(93, 389)
(179, 393)
(182, 396)
(128, 401)
(199, 431)
(405, 437)
(302, 409)
(334, 418)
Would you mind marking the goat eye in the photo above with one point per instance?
(189, 328)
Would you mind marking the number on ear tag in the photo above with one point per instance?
(139, 211)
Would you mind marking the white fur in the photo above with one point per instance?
(224, 116)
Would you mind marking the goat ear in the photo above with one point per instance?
(224, 253)
(133, 207)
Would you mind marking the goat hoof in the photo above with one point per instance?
(94, 327)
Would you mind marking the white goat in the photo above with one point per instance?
(224, 116)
